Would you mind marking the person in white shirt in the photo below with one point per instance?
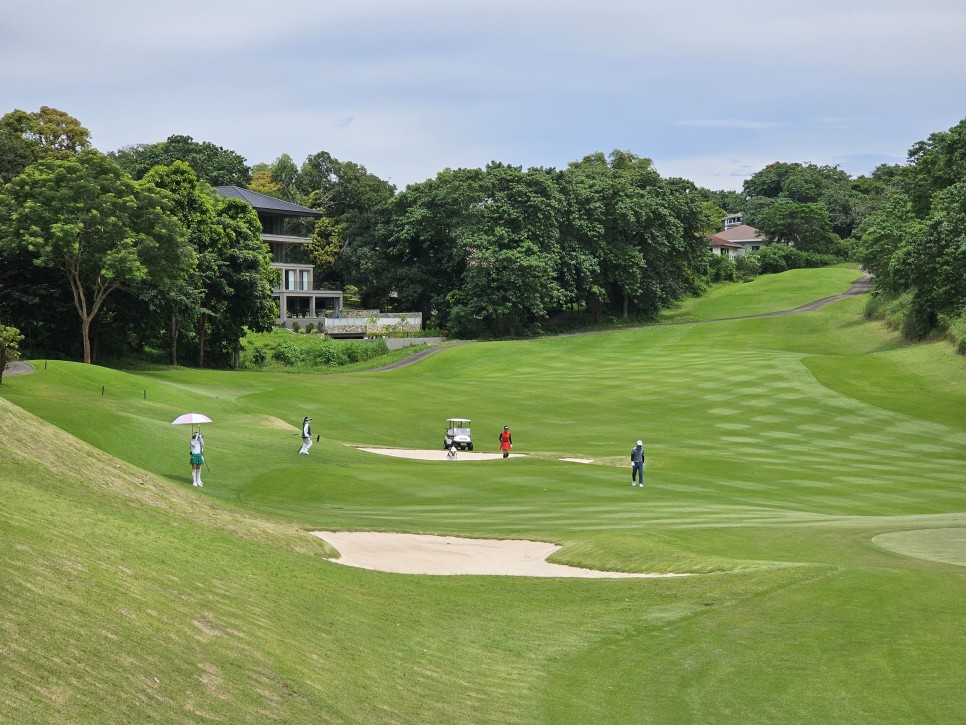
(196, 447)
(306, 436)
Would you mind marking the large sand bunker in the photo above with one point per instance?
(449, 555)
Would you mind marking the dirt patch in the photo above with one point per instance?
(451, 555)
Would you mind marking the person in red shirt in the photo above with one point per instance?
(506, 441)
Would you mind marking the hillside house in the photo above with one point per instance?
(737, 239)
(284, 231)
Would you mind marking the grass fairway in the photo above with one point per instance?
(806, 470)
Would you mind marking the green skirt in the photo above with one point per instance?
(197, 459)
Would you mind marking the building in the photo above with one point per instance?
(283, 225)
(724, 248)
(737, 239)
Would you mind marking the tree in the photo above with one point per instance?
(84, 217)
(828, 186)
(353, 199)
(45, 134)
(232, 285)
(882, 235)
(327, 243)
(214, 164)
(263, 183)
(938, 162)
(10, 339)
(248, 278)
(806, 226)
(935, 269)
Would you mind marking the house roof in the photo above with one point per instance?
(265, 203)
(719, 242)
(740, 233)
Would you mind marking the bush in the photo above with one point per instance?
(777, 258)
(283, 349)
(721, 269)
(287, 353)
(747, 267)
(957, 333)
(259, 356)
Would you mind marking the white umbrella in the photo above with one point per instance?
(191, 419)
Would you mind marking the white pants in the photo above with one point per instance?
(306, 444)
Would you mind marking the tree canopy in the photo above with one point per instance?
(213, 164)
(84, 217)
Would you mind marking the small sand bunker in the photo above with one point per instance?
(436, 455)
(450, 555)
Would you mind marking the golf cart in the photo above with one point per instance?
(458, 434)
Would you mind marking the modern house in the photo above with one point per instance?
(284, 229)
(284, 226)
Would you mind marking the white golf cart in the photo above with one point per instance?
(458, 434)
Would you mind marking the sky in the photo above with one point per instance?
(710, 91)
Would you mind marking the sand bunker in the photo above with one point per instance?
(436, 455)
(450, 555)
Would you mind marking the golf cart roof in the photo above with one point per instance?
(458, 420)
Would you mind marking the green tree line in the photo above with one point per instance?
(134, 250)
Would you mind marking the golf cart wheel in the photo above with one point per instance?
(469, 447)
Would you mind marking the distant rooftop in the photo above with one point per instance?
(740, 233)
(265, 203)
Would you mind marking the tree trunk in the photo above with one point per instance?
(202, 328)
(625, 305)
(237, 354)
(174, 338)
(86, 339)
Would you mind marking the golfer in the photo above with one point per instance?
(196, 446)
(306, 436)
(637, 464)
(506, 441)
(451, 454)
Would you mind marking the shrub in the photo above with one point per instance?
(296, 326)
(287, 353)
(721, 269)
(957, 332)
(259, 356)
(747, 267)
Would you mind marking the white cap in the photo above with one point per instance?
(640, 443)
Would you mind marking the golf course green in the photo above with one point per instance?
(807, 471)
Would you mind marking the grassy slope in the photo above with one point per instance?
(777, 449)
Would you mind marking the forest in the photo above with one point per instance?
(129, 252)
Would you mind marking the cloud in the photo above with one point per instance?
(410, 88)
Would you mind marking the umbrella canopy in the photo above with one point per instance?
(191, 419)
